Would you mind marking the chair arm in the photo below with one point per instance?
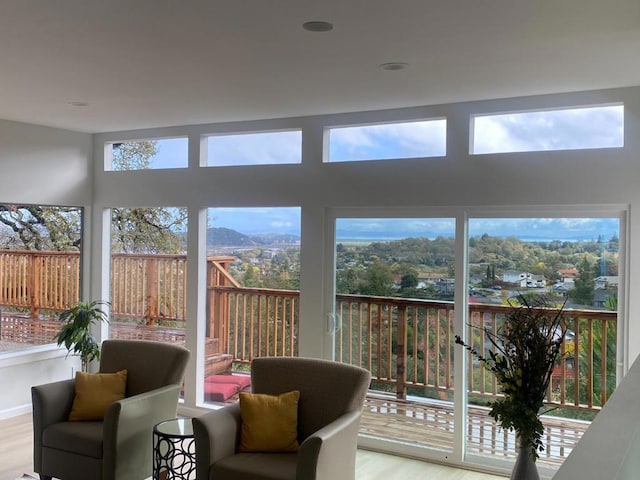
(128, 428)
(217, 435)
(51, 404)
(330, 453)
(52, 401)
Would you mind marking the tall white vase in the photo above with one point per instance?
(525, 468)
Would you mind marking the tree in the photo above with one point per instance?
(147, 230)
(144, 230)
(34, 227)
(409, 280)
(379, 281)
(585, 283)
(347, 281)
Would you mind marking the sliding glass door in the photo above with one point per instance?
(404, 286)
(394, 314)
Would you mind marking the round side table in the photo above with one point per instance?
(174, 450)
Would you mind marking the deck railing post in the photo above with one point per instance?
(152, 291)
(401, 353)
(34, 277)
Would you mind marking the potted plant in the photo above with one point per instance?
(523, 354)
(76, 334)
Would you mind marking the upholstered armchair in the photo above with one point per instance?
(117, 447)
(329, 408)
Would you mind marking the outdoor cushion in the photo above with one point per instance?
(220, 392)
(242, 381)
(219, 388)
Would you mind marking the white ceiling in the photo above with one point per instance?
(149, 63)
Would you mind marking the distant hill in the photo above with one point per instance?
(226, 237)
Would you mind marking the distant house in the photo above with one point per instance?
(606, 281)
(536, 281)
(445, 286)
(524, 279)
(519, 278)
(568, 276)
(600, 296)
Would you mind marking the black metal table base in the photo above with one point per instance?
(174, 455)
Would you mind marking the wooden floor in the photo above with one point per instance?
(16, 446)
(426, 424)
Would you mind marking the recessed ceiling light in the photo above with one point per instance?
(78, 104)
(317, 26)
(394, 66)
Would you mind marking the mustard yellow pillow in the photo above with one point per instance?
(269, 422)
(95, 392)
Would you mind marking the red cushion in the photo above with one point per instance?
(219, 388)
(220, 392)
(242, 381)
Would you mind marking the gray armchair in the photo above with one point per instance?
(118, 448)
(331, 400)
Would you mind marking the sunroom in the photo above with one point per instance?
(439, 170)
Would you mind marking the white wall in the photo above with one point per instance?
(19, 370)
(40, 165)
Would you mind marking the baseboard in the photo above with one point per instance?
(15, 411)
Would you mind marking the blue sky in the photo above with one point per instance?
(591, 127)
(287, 220)
(588, 127)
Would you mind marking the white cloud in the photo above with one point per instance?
(578, 128)
(269, 148)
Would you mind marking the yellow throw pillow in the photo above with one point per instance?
(269, 422)
(95, 392)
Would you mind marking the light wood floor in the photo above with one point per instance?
(16, 445)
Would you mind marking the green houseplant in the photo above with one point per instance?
(523, 353)
(76, 334)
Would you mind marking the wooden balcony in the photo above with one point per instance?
(407, 344)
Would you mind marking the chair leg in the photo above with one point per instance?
(45, 477)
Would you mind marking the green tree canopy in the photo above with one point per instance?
(34, 227)
(585, 283)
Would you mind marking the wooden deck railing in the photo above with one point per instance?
(257, 322)
(407, 344)
(148, 288)
(34, 280)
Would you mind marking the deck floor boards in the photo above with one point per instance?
(430, 424)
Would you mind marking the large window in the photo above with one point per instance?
(39, 271)
(263, 148)
(566, 129)
(148, 274)
(253, 282)
(150, 154)
(395, 285)
(416, 139)
(571, 261)
(393, 265)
